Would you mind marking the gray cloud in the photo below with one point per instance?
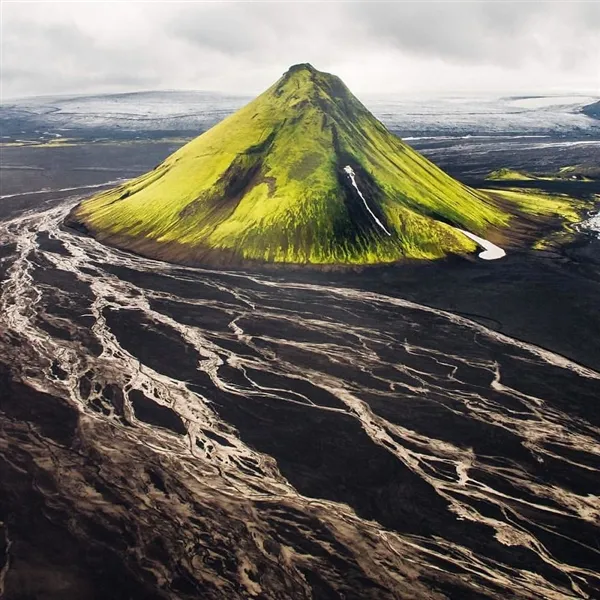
(501, 33)
(242, 47)
(55, 57)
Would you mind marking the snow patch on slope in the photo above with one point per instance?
(490, 252)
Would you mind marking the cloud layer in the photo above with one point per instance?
(409, 47)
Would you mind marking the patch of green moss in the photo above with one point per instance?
(536, 202)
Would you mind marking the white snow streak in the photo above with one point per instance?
(491, 251)
(350, 171)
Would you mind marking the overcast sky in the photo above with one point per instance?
(242, 47)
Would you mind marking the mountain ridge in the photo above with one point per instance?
(303, 174)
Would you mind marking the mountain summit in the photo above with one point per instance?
(302, 174)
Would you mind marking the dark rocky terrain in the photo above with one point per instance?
(423, 431)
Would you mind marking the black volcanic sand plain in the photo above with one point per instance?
(428, 430)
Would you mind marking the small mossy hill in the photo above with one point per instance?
(573, 172)
(582, 172)
(510, 175)
(270, 183)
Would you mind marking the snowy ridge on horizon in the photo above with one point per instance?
(190, 111)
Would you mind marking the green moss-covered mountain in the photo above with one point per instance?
(302, 174)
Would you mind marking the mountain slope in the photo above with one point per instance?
(302, 174)
(592, 110)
